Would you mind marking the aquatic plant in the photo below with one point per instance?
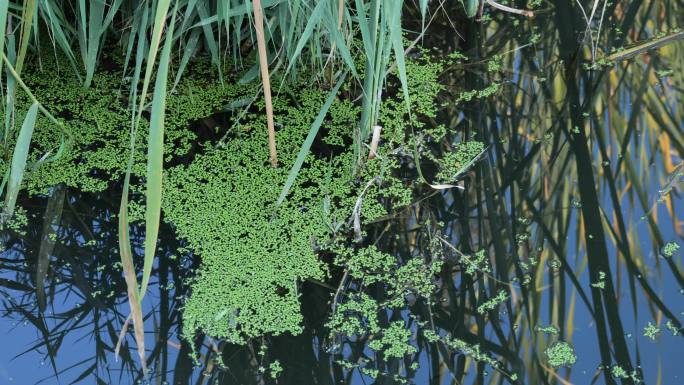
(394, 341)
(560, 353)
(493, 302)
(651, 331)
(547, 329)
(476, 262)
(253, 256)
(275, 369)
(670, 249)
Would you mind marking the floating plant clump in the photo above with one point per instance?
(560, 354)
(255, 254)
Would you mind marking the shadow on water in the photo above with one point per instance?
(570, 200)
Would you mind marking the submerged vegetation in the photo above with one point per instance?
(345, 191)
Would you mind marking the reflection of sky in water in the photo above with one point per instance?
(77, 350)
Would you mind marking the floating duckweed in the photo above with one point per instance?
(367, 262)
(476, 262)
(672, 328)
(17, 223)
(414, 276)
(467, 96)
(618, 372)
(454, 163)
(370, 372)
(492, 303)
(601, 283)
(547, 329)
(472, 351)
(494, 64)
(395, 341)
(651, 331)
(560, 353)
(357, 316)
(430, 335)
(275, 369)
(670, 249)
(99, 122)
(554, 264)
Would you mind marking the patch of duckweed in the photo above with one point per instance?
(618, 372)
(672, 328)
(99, 120)
(366, 263)
(476, 262)
(395, 341)
(253, 255)
(275, 369)
(560, 354)
(493, 302)
(547, 329)
(17, 223)
(670, 249)
(454, 163)
(601, 283)
(651, 331)
(219, 196)
(358, 316)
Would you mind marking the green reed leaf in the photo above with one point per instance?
(19, 157)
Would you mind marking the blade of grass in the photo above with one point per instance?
(4, 5)
(53, 18)
(159, 19)
(265, 79)
(155, 159)
(26, 24)
(95, 26)
(395, 36)
(188, 51)
(156, 134)
(305, 37)
(21, 151)
(127, 264)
